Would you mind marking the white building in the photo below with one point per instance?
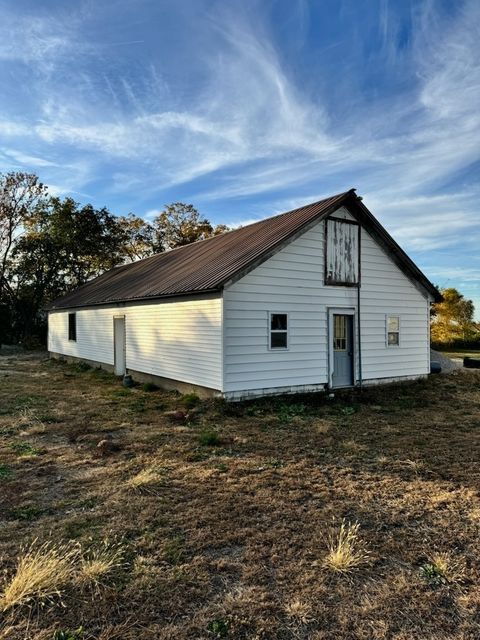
(320, 297)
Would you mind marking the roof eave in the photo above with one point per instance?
(123, 301)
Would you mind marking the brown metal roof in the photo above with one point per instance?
(205, 265)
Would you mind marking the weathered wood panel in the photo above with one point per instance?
(342, 265)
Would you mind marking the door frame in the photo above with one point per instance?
(342, 311)
(120, 317)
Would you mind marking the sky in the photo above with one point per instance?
(247, 108)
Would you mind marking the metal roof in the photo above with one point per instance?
(206, 265)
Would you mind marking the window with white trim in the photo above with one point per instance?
(278, 331)
(393, 331)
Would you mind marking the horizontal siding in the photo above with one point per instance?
(94, 334)
(386, 290)
(292, 282)
(181, 340)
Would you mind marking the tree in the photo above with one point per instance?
(180, 224)
(138, 237)
(62, 247)
(453, 318)
(20, 195)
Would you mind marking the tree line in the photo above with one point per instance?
(51, 245)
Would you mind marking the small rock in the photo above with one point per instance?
(106, 446)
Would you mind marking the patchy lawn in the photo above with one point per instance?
(294, 518)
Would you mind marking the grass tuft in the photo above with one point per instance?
(209, 438)
(41, 573)
(299, 611)
(98, 566)
(346, 550)
(144, 481)
(443, 568)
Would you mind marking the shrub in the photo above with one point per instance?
(190, 400)
(346, 550)
(209, 438)
(41, 573)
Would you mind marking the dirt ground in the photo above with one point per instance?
(225, 512)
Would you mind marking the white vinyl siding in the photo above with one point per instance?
(94, 334)
(386, 291)
(292, 282)
(181, 340)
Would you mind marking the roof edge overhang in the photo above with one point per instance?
(204, 293)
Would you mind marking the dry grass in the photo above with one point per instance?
(230, 540)
(444, 567)
(346, 549)
(299, 611)
(99, 565)
(145, 481)
(41, 573)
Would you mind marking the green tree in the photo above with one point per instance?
(452, 319)
(138, 237)
(63, 246)
(180, 224)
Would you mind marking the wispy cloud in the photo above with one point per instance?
(220, 113)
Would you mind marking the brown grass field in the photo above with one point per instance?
(291, 518)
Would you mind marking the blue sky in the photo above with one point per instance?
(247, 108)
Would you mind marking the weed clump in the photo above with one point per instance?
(149, 387)
(41, 574)
(99, 564)
(442, 569)
(218, 627)
(346, 550)
(209, 438)
(190, 400)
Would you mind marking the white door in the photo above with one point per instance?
(119, 345)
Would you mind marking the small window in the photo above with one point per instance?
(278, 331)
(72, 326)
(340, 333)
(393, 331)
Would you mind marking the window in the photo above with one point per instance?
(393, 331)
(278, 331)
(339, 333)
(72, 326)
